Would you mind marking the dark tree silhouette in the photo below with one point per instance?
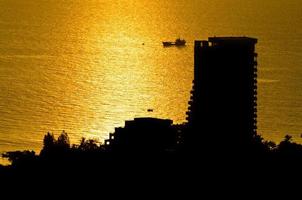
(288, 138)
(20, 157)
(289, 149)
(88, 145)
(63, 141)
(49, 145)
(49, 141)
(53, 147)
(270, 145)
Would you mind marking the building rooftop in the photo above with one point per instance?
(149, 120)
(242, 39)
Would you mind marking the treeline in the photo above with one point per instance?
(91, 159)
(61, 149)
(55, 149)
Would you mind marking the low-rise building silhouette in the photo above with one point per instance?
(223, 107)
(143, 135)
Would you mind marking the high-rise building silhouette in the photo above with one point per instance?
(223, 107)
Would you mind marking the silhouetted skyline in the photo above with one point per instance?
(154, 149)
(82, 66)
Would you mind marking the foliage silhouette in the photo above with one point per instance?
(20, 157)
(63, 141)
(49, 144)
(58, 160)
(289, 149)
(89, 145)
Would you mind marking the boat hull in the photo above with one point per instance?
(178, 42)
(167, 44)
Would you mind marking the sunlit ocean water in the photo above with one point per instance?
(81, 66)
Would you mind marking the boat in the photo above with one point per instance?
(178, 42)
(166, 44)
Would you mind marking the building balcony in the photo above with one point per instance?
(111, 136)
(107, 142)
(188, 112)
